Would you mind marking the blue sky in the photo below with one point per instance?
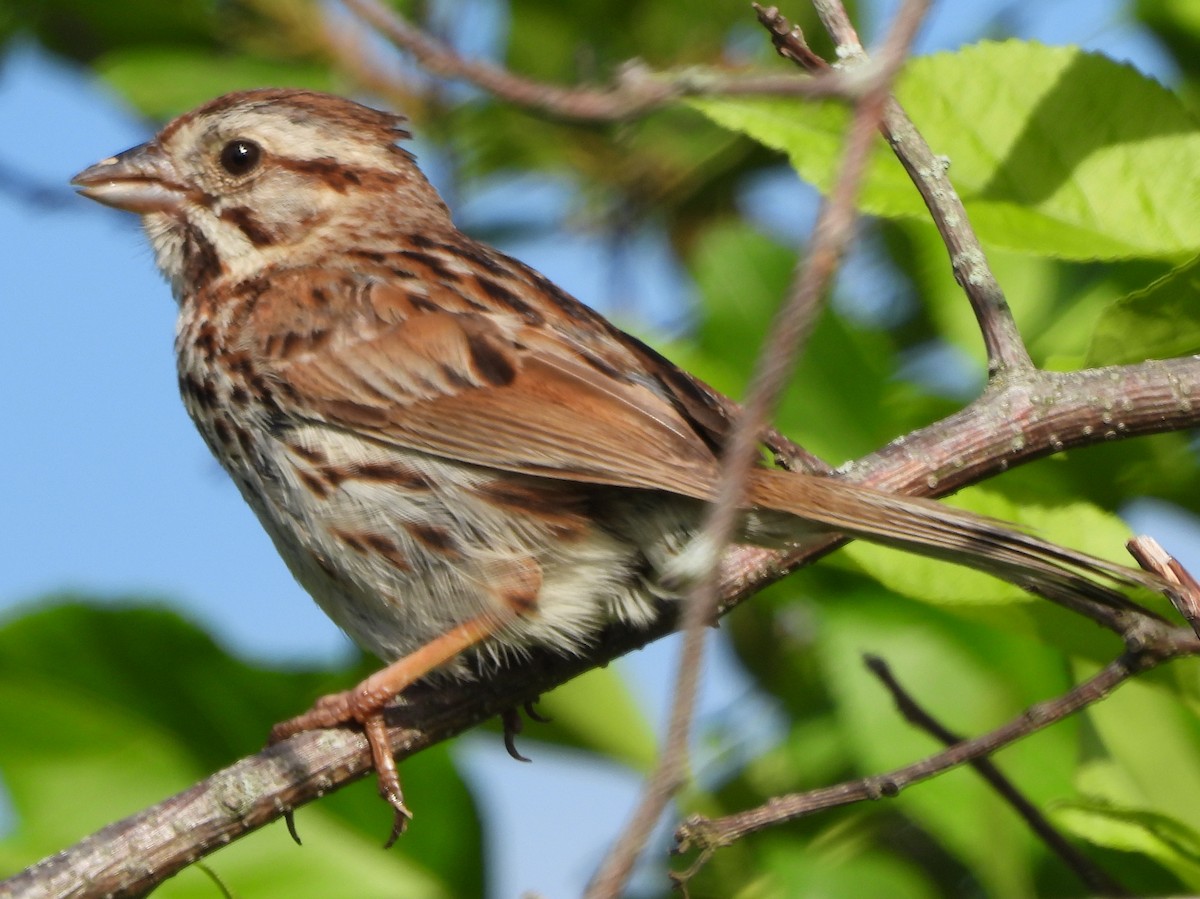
(110, 491)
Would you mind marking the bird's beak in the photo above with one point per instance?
(140, 180)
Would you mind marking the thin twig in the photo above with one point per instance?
(832, 232)
(636, 91)
(709, 834)
(1006, 351)
(1186, 595)
(1095, 878)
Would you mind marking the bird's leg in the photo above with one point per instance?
(365, 704)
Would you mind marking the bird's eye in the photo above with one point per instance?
(240, 157)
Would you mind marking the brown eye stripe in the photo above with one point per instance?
(337, 175)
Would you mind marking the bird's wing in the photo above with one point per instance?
(496, 391)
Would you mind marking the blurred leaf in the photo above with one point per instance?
(1141, 731)
(1056, 303)
(1038, 136)
(597, 712)
(104, 711)
(1159, 322)
(836, 868)
(1177, 24)
(162, 83)
(82, 30)
(845, 370)
(600, 35)
(1168, 840)
(950, 668)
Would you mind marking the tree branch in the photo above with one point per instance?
(1156, 645)
(1002, 341)
(1093, 877)
(636, 91)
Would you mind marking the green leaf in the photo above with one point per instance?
(162, 83)
(1141, 731)
(1054, 151)
(1159, 322)
(1167, 840)
(743, 278)
(972, 679)
(836, 867)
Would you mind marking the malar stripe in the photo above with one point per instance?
(243, 219)
(201, 264)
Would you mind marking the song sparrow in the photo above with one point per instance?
(451, 454)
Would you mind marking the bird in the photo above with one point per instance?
(457, 459)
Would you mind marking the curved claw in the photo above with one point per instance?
(530, 709)
(400, 820)
(512, 723)
(289, 818)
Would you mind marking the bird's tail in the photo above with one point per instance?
(944, 532)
